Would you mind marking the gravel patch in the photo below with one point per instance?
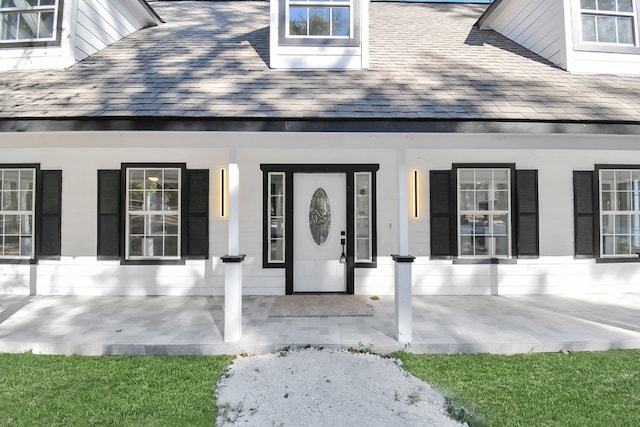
(328, 387)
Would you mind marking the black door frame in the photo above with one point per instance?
(349, 169)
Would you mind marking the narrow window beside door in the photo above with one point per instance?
(363, 217)
(276, 217)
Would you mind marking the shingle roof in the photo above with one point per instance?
(210, 59)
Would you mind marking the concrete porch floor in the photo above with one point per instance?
(194, 325)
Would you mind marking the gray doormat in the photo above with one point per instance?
(320, 305)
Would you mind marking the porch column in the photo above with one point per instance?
(403, 291)
(233, 261)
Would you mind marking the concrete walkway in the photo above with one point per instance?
(194, 325)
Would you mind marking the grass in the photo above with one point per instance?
(108, 391)
(541, 389)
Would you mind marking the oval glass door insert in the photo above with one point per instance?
(320, 216)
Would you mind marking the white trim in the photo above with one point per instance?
(271, 217)
(490, 213)
(20, 213)
(357, 216)
(615, 212)
(145, 213)
(33, 9)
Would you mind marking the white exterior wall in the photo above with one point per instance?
(103, 22)
(81, 154)
(535, 24)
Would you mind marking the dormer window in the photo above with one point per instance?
(609, 25)
(25, 21)
(314, 34)
(322, 18)
(319, 22)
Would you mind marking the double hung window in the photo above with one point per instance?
(319, 23)
(484, 213)
(28, 20)
(619, 212)
(319, 18)
(17, 213)
(153, 213)
(607, 213)
(609, 23)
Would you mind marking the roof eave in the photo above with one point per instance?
(487, 13)
(328, 125)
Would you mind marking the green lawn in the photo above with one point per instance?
(38, 390)
(542, 389)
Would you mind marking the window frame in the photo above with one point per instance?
(509, 212)
(147, 214)
(33, 212)
(285, 39)
(359, 217)
(600, 212)
(271, 238)
(581, 45)
(56, 38)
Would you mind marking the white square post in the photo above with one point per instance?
(233, 261)
(403, 291)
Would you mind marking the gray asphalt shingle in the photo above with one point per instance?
(210, 59)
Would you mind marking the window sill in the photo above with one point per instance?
(485, 260)
(606, 48)
(152, 262)
(319, 42)
(18, 261)
(614, 260)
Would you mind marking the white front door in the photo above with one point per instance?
(319, 212)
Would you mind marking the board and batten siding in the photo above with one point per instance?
(79, 155)
(103, 22)
(535, 24)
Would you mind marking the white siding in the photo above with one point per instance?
(535, 24)
(103, 22)
(87, 26)
(81, 154)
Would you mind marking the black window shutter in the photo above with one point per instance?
(197, 213)
(584, 214)
(527, 213)
(442, 216)
(109, 227)
(50, 214)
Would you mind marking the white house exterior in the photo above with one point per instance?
(581, 36)
(178, 162)
(55, 34)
